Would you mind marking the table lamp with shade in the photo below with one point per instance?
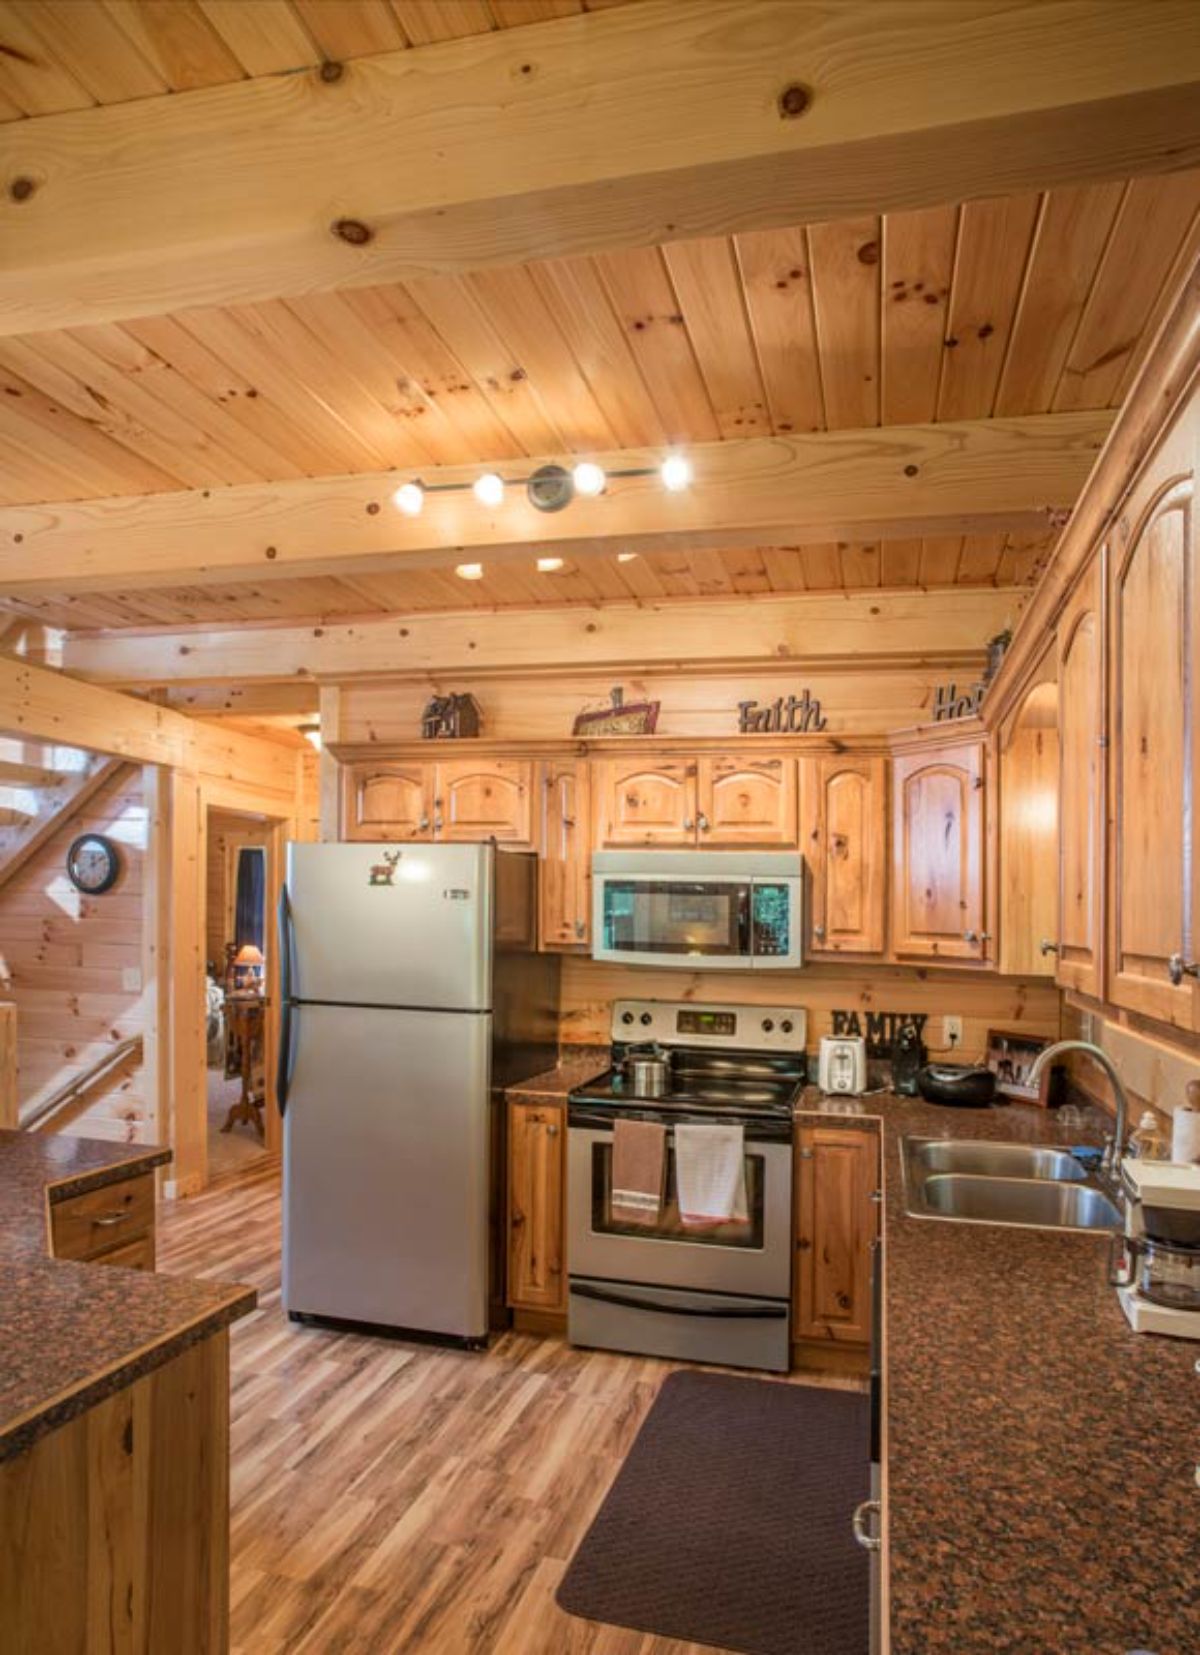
(248, 965)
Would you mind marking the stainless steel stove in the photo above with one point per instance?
(663, 1289)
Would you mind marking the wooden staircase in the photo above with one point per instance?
(39, 786)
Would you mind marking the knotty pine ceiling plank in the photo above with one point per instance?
(939, 559)
(91, 46)
(900, 562)
(845, 278)
(176, 38)
(646, 306)
(579, 304)
(1073, 228)
(351, 28)
(777, 289)
(994, 238)
(266, 37)
(1184, 262)
(861, 563)
(785, 568)
(918, 266)
(707, 285)
(59, 441)
(426, 21)
(1153, 220)
(31, 78)
(979, 559)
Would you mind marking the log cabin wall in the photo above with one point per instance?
(228, 834)
(72, 966)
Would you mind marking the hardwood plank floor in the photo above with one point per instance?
(398, 1497)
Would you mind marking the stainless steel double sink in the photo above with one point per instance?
(975, 1181)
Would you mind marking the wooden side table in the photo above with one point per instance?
(246, 1016)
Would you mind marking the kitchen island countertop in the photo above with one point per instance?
(71, 1334)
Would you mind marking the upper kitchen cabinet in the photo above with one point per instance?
(485, 799)
(749, 801)
(844, 807)
(388, 801)
(1081, 809)
(1154, 922)
(1028, 832)
(645, 802)
(564, 916)
(938, 853)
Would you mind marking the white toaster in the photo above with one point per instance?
(843, 1064)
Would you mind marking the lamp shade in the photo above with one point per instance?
(248, 954)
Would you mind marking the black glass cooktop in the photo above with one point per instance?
(741, 1083)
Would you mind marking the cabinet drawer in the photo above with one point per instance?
(103, 1219)
(131, 1255)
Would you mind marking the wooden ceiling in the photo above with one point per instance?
(1029, 304)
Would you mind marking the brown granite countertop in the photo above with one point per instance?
(71, 1334)
(1041, 1455)
(576, 1064)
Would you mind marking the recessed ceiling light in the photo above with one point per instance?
(549, 565)
(676, 472)
(626, 557)
(489, 489)
(589, 478)
(469, 571)
(409, 498)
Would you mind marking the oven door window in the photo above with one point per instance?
(746, 1233)
(676, 917)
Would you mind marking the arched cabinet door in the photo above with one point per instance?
(938, 854)
(1082, 661)
(1154, 923)
(746, 801)
(388, 801)
(485, 799)
(844, 804)
(645, 802)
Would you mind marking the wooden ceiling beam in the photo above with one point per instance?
(972, 477)
(829, 629)
(632, 126)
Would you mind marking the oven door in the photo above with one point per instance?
(753, 1257)
(720, 922)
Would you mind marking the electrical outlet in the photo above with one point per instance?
(952, 1031)
(131, 979)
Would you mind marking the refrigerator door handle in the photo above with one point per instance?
(283, 1070)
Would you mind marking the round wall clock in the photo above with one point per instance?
(93, 864)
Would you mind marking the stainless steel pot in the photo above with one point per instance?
(647, 1070)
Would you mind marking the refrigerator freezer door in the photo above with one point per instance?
(392, 925)
(385, 1170)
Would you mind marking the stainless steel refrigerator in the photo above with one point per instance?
(412, 994)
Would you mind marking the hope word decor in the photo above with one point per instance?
(882, 1027)
(450, 717)
(619, 718)
(949, 702)
(786, 715)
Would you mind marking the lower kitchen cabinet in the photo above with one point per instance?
(837, 1219)
(536, 1224)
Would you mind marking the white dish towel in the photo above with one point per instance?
(710, 1175)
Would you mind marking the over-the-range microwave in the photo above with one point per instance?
(698, 910)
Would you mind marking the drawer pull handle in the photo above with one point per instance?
(1178, 968)
(106, 1220)
(1048, 947)
(862, 1517)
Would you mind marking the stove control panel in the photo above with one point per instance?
(698, 1023)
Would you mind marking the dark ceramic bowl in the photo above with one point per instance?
(960, 1085)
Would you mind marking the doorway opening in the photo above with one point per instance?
(236, 947)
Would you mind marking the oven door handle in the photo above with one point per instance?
(630, 1301)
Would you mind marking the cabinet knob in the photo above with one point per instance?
(1048, 947)
(580, 928)
(819, 932)
(552, 1132)
(1178, 968)
(806, 1154)
(688, 824)
(423, 823)
(970, 936)
(702, 822)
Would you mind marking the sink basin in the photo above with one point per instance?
(994, 1160)
(976, 1181)
(1030, 1201)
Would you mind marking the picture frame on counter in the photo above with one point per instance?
(1010, 1057)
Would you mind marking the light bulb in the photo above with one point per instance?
(409, 498)
(589, 478)
(311, 734)
(676, 472)
(548, 565)
(469, 571)
(626, 557)
(489, 489)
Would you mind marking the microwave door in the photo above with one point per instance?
(673, 921)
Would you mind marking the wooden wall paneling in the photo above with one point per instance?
(156, 952)
(776, 279)
(8, 1065)
(844, 814)
(1152, 221)
(982, 999)
(845, 281)
(1073, 228)
(644, 802)
(993, 246)
(918, 266)
(189, 1102)
(1027, 821)
(228, 835)
(1154, 910)
(1083, 783)
(938, 854)
(565, 905)
(748, 800)
(708, 288)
